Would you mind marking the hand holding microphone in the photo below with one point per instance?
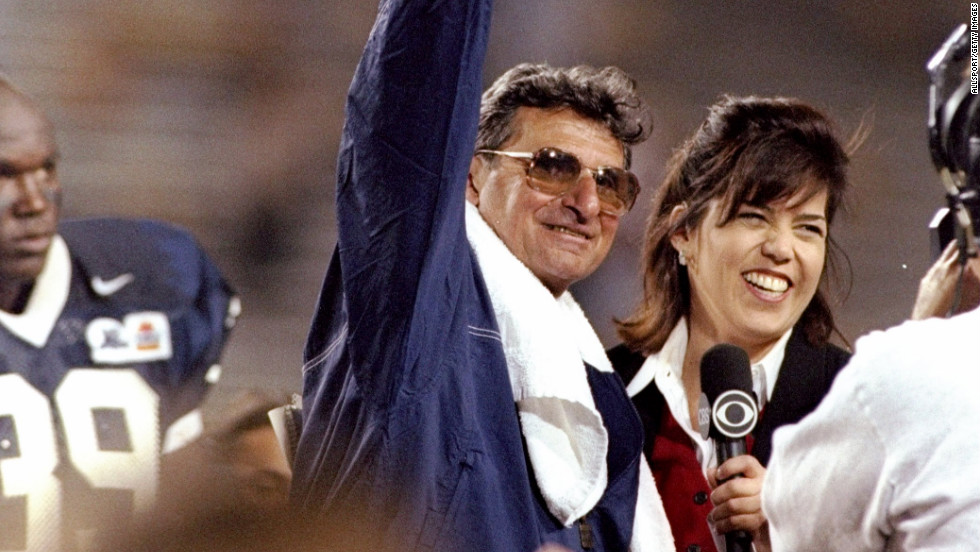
(728, 413)
(738, 503)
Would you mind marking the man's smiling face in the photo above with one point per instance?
(561, 239)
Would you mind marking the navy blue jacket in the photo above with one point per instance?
(411, 439)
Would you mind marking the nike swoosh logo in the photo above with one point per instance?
(106, 288)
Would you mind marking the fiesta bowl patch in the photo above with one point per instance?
(139, 337)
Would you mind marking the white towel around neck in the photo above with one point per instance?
(545, 341)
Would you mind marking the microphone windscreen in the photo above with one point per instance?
(724, 367)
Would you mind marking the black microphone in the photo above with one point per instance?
(727, 413)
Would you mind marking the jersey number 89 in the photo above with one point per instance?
(111, 438)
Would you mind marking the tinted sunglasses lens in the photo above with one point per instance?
(554, 171)
(617, 189)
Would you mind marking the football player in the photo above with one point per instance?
(110, 335)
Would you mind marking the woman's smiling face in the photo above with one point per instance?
(753, 276)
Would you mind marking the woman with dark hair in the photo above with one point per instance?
(735, 252)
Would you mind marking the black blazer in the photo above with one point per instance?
(804, 378)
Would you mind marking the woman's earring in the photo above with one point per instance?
(681, 259)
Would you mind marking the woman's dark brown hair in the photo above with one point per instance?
(749, 150)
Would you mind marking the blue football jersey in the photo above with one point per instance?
(103, 372)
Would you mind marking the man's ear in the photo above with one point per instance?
(474, 180)
(681, 238)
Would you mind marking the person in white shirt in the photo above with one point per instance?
(888, 461)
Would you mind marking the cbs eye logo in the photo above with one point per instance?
(734, 413)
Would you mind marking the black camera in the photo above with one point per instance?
(954, 141)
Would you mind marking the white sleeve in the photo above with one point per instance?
(888, 460)
(825, 488)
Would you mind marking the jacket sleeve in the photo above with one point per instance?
(411, 120)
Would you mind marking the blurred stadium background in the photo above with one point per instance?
(224, 116)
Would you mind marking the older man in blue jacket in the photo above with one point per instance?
(455, 396)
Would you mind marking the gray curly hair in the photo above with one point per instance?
(607, 95)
